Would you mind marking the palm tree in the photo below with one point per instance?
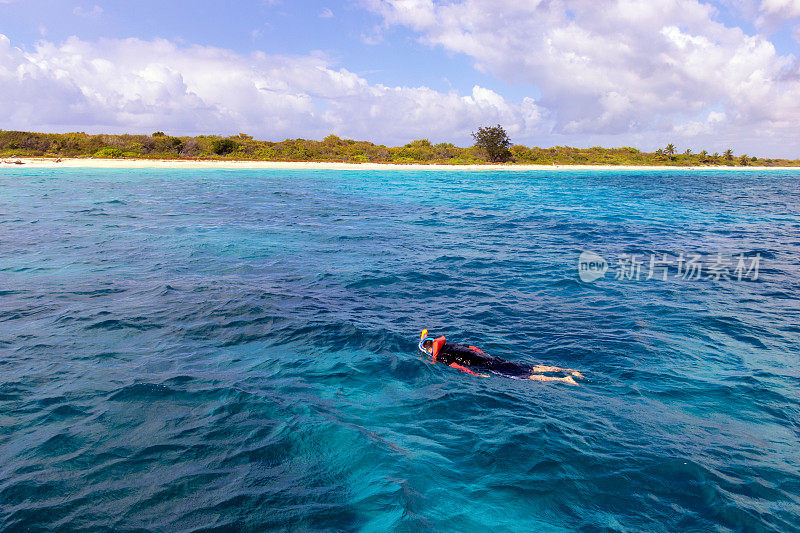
(729, 154)
(670, 149)
(703, 153)
(688, 151)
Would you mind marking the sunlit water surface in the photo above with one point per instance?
(199, 350)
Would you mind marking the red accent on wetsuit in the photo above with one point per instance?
(463, 369)
(437, 346)
(476, 349)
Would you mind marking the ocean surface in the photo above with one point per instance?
(190, 350)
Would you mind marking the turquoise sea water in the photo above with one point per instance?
(236, 350)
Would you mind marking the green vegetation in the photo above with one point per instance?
(224, 146)
(332, 148)
(494, 142)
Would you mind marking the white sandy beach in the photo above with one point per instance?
(302, 165)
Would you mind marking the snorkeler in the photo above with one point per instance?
(473, 360)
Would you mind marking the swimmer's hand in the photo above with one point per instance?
(576, 374)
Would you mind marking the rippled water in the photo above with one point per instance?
(199, 350)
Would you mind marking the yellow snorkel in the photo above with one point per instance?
(422, 338)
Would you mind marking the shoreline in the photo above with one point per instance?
(29, 162)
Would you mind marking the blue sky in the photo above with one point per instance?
(296, 28)
(612, 72)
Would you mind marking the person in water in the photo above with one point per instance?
(474, 361)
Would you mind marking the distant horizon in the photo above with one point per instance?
(335, 149)
(679, 149)
(701, 74)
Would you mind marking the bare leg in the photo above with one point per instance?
(567, 379)
(543, 368)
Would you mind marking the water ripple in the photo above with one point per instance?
(201, 350)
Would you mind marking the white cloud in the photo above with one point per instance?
(143, 86)
(326, 13)
(642, 69)
(700, 127)
(91, 13)
(781, 8)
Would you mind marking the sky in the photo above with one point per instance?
(703, 75)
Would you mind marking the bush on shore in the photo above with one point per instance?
(160, 145)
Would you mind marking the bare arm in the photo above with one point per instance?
(467, 370)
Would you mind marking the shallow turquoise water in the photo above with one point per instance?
(200, 350)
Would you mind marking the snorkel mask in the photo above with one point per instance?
(422, 338)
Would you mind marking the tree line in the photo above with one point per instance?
(492, 144)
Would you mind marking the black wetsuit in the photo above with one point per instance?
(473, 359)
